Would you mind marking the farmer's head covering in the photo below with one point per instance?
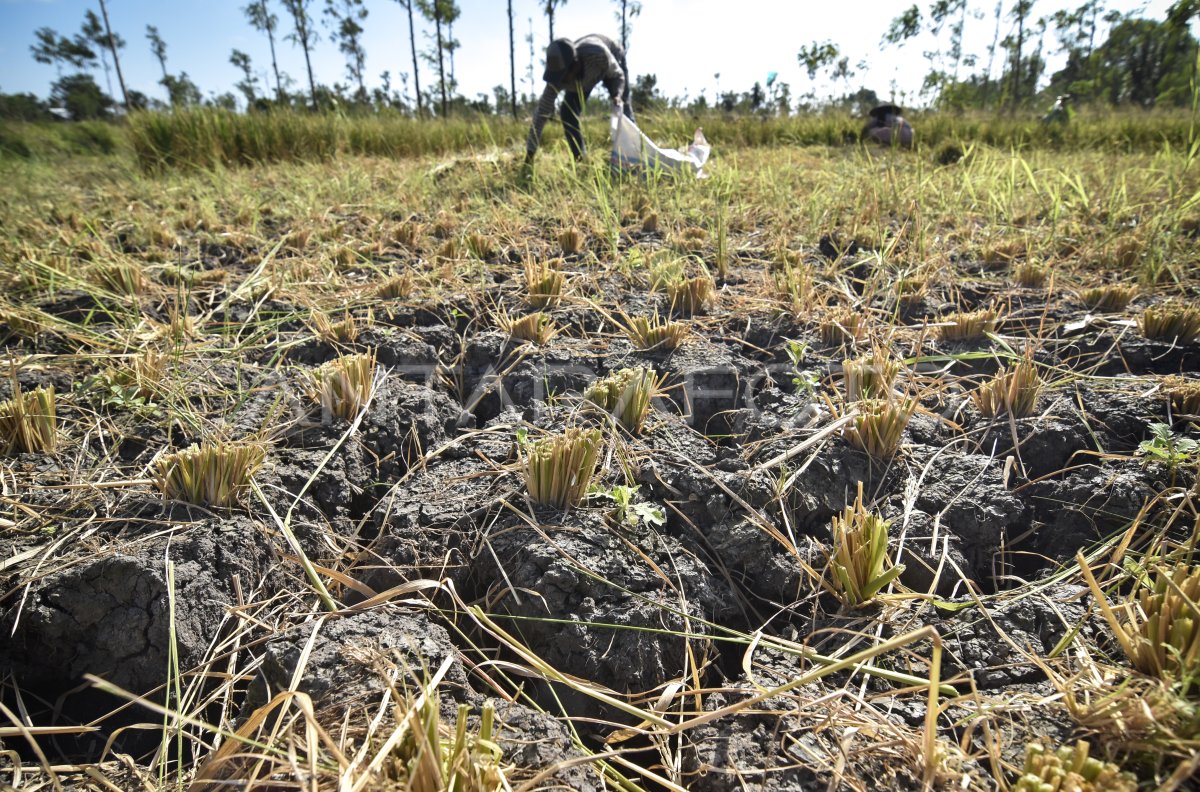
(884, 110)
(560, 59)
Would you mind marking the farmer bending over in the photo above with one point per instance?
(576, 68)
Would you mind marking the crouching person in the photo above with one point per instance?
(575, 68)
(887, 126)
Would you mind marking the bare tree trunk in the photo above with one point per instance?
(512, 60)
(437, 21)
(1016, 80)
(412, 39)
(624, 26)
(550, 16)
(275, 64)
(987, 75)
(116, 60)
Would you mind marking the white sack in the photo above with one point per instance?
(632, 150)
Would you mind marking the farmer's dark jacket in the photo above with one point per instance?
(601, 59)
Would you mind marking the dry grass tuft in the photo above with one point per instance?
(571, 241)
(408, 234)
(343, 385)
(1110, 297)
(692, 295)
(341, 332)
(544, 282)
(843, 328)
(536, 327)
(1183, 394)
(398, 287)
(1031, 275)
(869, 377)
(879, 425)
(120, 277)
(650, 223)
(968, 326)
(691, 239)
(1171, 321)
(654, 333)
(28, 421)
(480, 246)
(559, 468)
(1013, 390)
(214, 474)
(626, 394)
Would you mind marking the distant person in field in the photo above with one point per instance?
(1061, 112)
(575, 67)
(886, 125)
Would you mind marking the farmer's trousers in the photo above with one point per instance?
(572, 106)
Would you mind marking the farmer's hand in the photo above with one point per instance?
(617, 106)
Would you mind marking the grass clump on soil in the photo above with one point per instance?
(571, 241)
(1070, 769)
(397, 287)
(1158, 624)
(690, 295)
(344, 331)
(879, 425)
(869, 377)
(968, 326)
(1170, 321)
(120, 277)
(543, 283)
(1183, 395)
(559, 468)
(859, 563)
(537, 327)
(1031, 275)
(626, 394)
(1110, 297)
(28, 421)
(210, 474)
(1014, 390)
(654, 332)
(343, 385)
(843, 328)
(434, 756)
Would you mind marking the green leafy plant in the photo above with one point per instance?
(1070, 769)
(626, 394)
(805, 380)
(859, 565)
(627, 510)
(209, 474)
(343, 385)
(1158, 624)
(28, 421)
(558, 469)
(1013, 390)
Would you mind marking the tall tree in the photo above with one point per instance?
(551, 6)
(412, 40)
(114, 43)
(346, 17)
(512, 61)
(262, 20)
(248, 82)
(93, 31)
(441, 13)
(1019, 14)
(159, 48)
(304, 35)
(628, 10)
(52, 48)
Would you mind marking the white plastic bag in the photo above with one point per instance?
(632, 150)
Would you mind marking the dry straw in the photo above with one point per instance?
(28, 421)
(571, 241)
(691, 295)
(654, 332)
(543, 282)
(1013, 390)
(559, 468)
(211, 474)
(1170, 321)
(1109, 297)
(626, 394)
(536, 327)
(343, 385)
(968, 326)
(869, 377)
(879, 425)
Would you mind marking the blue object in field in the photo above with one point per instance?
(771, 78)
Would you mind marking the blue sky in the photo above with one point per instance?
(686, 43)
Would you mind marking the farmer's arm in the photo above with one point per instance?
(543, 111)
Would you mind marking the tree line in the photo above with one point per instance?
(1112, 56)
